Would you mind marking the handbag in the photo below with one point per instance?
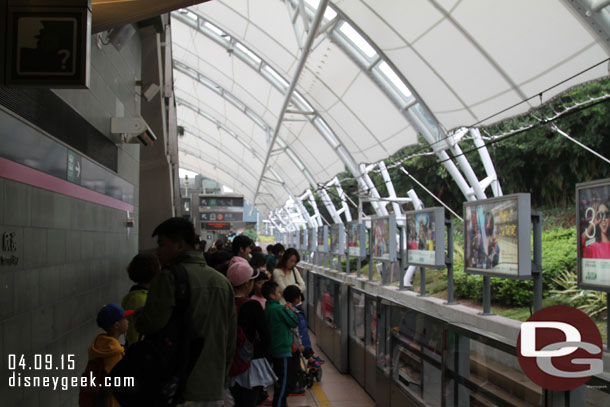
(161, 363)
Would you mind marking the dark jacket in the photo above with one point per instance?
(252, 320)
(303, 331)
(281, 321)
(270, 263)
(214, 320)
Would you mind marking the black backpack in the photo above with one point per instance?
(94, 395)
(161, 363)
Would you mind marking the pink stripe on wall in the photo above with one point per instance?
(26, 175)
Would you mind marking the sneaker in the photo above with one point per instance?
(268, 402)
(319, 359)
(313, 364)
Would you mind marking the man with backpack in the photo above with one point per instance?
(211, 309)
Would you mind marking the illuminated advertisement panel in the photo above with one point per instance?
(323, 239)
(302, 239)
(383, 230)
(293, 239)
(356, 239)
(497, 237)
(592, 225)
(337, 239)
(311, 239)
(426, 237)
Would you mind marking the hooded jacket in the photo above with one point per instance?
(110, 350)
(135, 299)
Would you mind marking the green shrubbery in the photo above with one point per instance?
(559, 255)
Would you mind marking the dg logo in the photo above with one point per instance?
(559, 348)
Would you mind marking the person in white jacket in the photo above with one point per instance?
(286, 273)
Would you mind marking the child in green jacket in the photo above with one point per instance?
(141, 270)
(281, 321)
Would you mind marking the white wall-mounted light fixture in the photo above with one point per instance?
(132, 130)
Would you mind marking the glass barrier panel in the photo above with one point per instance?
(311, 288)
(383, 336)
(597, 395)
(356, 316)
(329, 306)
(377, 271)
(487, 376)
(370, 328)
(336, 301)
(318, 294)
(417, 353)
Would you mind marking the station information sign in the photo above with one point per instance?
(216, 226)
(221, 208)
(221, 202)
(221, 216)
(48, 44)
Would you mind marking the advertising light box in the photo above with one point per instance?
(426, 237)
(337, 239)
(292, 241)
(322, 239)
(592, 225)
(383, 229)
(312, 239)
(497, 237)
(356, 239)
(302, 239)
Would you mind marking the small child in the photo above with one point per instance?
(281, 321)
(113, 319)
(257, 293)
(141, 270)
(292, 295)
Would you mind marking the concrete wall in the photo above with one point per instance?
(72, 254)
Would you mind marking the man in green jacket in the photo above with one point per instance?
(281, 321)
(213, 310)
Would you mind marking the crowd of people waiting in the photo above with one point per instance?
(204, 328)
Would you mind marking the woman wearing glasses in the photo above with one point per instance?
(598, 245)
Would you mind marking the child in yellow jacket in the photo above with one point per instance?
(113, 319)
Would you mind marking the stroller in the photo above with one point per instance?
(307, 373)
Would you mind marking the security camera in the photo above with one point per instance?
(132, 130)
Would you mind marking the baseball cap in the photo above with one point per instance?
(240, 271)
(111, 313)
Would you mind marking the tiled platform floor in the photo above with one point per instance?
(336, 389)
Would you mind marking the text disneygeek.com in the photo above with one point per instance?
(67, 382)
(21, 365)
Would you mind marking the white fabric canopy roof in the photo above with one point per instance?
(466, 61)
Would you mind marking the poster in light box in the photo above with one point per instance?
(593, 226)
(497, 236)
